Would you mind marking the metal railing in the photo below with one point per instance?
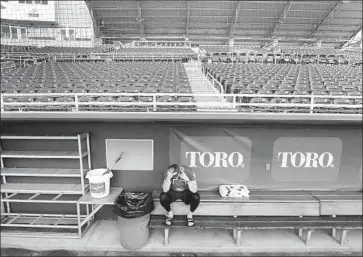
(20, 102)
(215, 83)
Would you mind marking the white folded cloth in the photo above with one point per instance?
(234, 191)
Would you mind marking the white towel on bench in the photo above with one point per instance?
(234, 191)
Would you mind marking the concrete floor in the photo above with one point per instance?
(103, 238)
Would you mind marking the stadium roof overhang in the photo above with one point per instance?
(216, 22)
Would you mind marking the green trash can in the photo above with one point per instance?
(134, 233)
(133, 210)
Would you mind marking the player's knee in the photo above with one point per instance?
(196, 197)
(163, 197)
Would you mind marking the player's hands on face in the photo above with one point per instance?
(171, 173)
(183, 175)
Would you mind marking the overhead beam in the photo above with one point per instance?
(215, 17)
(352, 36)
(216, 22)
(110, 8)
(282, 39)
(180, 30)
(281, 19)
(327, 18)
(96, 29)
(140, 20)
(232, 27)
(188, 19)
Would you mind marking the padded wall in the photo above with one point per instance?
(262, 140)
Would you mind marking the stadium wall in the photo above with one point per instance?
(57, 23)
(343, 141)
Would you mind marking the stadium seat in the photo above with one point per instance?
(259, 100)
(64, 99)
(343, 101)
(279, 100)
(86, 99)
(146, 99)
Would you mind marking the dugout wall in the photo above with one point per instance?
(274, 157)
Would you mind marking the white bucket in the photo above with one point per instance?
(99, 184)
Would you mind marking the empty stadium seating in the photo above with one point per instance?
(277, 82)
(90, 78)
(179, 50)
(245, 53)
(54, 49)
(290, 76)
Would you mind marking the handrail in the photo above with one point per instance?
(75, 104)
(178, 94)
(214, 81)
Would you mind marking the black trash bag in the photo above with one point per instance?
(132, 205)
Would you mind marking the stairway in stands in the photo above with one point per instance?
(212, 101)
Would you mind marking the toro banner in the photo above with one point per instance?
(216, 155)
(306, 159)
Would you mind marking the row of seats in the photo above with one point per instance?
(131, 77)
(310, 51)
(97, 49)
(15, 48)
(278, 58)
(287, 79)
(281, 50)
(147, 50)
(71, 50)
(223, 53)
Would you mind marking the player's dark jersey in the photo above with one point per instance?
(179, 184)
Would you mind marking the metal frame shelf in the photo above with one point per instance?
(46, 224)
(57, 225)
(41, 198)
(41, 188)
(43, 154)
(96, 204)
(41, 172)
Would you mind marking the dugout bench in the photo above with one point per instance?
(303, 211)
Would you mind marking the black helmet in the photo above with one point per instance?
(176, 168)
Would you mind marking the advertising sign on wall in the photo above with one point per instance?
(306, 159)
(217, 156)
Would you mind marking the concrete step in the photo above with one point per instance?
(199, 85)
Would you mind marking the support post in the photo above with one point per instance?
(154, 102)
(312, 104)
(81, 162)
(334, 232)
(305, 234)
(166, 237)
(89, 153)
(340, 235)
(79, 221)
(76, 102)
(234, 101)
(239, 233)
